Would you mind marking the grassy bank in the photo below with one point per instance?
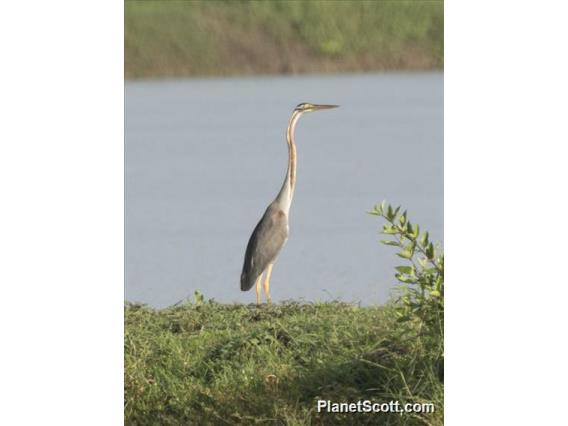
(188, 38)
(215, 364)
(209, 364)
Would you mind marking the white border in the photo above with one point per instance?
(61, 214)
(505, 212)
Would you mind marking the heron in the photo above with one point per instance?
(271, 233)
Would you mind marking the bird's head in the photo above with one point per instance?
(308, 107)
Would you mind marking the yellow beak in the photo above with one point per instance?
(318, 107)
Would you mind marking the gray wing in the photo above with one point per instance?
(264, 245)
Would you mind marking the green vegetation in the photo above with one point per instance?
(186, 38)
(421, 303)
(207, 363)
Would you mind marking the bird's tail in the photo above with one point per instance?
(247, 281)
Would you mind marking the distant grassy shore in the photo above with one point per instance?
(192, 38)
(214, 364)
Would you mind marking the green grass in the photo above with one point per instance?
(185, 38)
(215, 364)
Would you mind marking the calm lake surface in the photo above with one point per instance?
(205, 157)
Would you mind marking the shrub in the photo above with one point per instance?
(419, 307)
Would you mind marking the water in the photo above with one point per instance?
(205, 157)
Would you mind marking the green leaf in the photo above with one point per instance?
(405, 278)
(435, 293)
(404, 269)
(424, 240)
(430, 251)
(402, 278)
(199, 298)
(390, 243)
(439, 283)
(402, 218)
(408, 251)
(390, 213)
(440, 261)
(415, 231)
(378, 210)
(389, 229)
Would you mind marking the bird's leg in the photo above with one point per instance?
(258, 281)
(267, 282)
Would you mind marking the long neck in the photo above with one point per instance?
(284, 197)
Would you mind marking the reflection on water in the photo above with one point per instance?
(205, 157)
